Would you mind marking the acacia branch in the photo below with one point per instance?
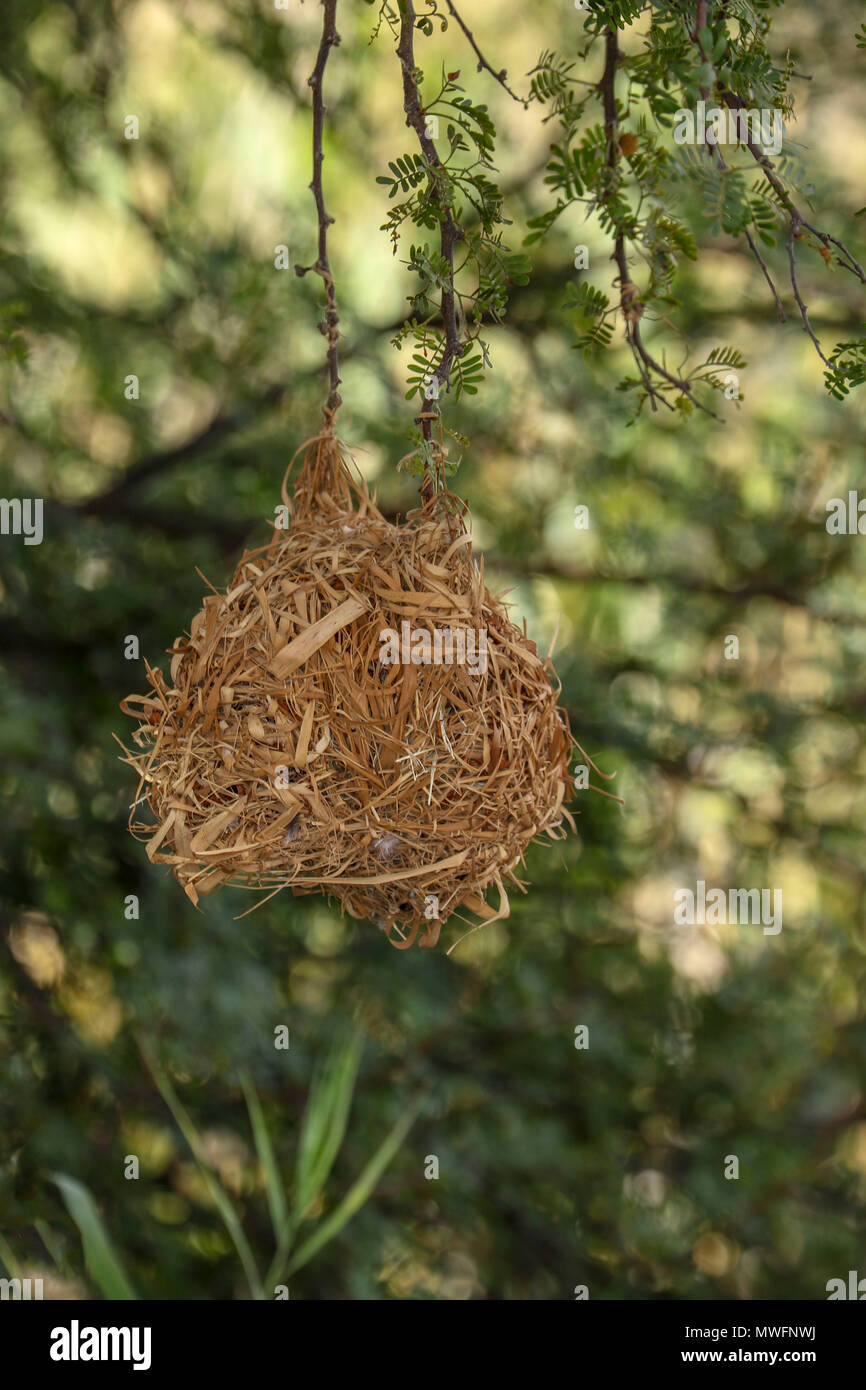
(630, 303)
(330, 326)
(844, 257)
(700, 23)
(765, 271)
(483, 65)
(797, 223)
(450, 233)
(795, 286)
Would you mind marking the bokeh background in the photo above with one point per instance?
(558, 1166)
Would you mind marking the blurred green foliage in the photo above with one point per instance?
(557, 1166)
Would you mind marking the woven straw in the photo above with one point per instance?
(283, 752)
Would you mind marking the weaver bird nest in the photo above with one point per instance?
(355, 715)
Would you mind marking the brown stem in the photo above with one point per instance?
(450, 233)
(483, 64)
(700, 23)
(330, 326)
(795, 286)
(701, 19)
(844, 257)
(629, 295)
(796, 224)
(796, 221)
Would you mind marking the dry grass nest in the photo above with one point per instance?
(283, 752)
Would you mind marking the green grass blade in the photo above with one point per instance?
(8, 1259)
(220, 1198)
(319, 1125)
(99, 1255)
(277, 1205)
(46, 1235)
(360, 1190)
(325, 1119)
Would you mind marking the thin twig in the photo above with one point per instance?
(330, 326)
(804, 313)
(483, 64)
(753, 247)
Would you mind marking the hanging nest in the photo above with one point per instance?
(285, 752)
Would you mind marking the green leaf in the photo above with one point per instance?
(99, 1255)
(359, 1191)
(220, 1198)
(46, 1235)
(277, 1205)
(325, 1119)
(8, 1259)
(726, 357)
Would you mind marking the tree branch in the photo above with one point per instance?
(700, 23)
(153, 465)
(629, 294)
(483, 65)
(330, 327)
(450, 233)
(797, 223)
